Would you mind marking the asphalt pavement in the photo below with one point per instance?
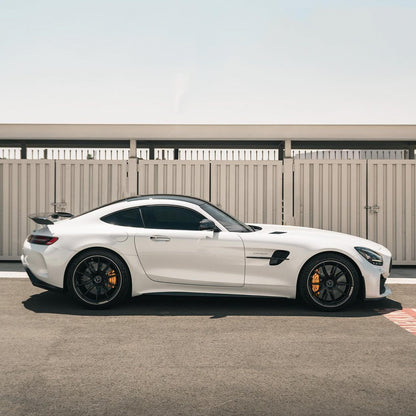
(186, 355)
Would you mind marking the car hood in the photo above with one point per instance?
(307, 234)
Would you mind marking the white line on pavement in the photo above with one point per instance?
(401, 281)
(14, 275)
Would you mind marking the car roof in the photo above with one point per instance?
(171, 197)
(182, 198)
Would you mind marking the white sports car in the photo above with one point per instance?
(170, 243)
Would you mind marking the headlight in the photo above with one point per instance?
(370, 255)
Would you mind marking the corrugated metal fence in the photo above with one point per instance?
(82, 185)
(331, 195)
(369, 198)
(391, 207)
(26, 187)
(174, 177)
(35, 186)
(251, 191)
(374, 199)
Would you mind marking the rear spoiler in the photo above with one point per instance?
(48, 218)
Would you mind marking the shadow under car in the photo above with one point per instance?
(211, 306)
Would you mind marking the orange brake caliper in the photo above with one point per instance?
(315, 282)
(112, 278)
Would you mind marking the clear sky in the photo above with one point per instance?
(211, 61)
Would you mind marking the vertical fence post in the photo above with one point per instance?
(288, 218)
(412, 149)
(23, 151)
(288, 149)
(132, 169)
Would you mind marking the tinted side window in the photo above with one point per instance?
(170, 217)
(127, 217)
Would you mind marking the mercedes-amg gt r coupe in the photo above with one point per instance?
(176, 244)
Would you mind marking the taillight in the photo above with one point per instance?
(41, 239)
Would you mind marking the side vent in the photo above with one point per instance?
(278, 256)
(278, 232)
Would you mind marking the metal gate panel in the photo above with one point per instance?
(26, 187)
(331, 195)
(392, 207)
(174, 177)
(83, 185)
(251, 191)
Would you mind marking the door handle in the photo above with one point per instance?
(159, 238)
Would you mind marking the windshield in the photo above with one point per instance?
(230, 223)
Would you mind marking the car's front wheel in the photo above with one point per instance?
(329, 282)
(98, 279)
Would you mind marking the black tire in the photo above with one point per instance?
(329, 282)
(98, 279)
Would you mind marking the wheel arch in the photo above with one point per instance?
(86, 250)
(361, 293)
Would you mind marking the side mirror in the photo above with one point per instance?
(207, 225)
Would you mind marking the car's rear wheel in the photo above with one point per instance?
(329, 282)
(98, 279)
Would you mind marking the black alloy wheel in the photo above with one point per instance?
(98, 279)
(329, 282)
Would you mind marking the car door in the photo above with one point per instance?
(172, 249)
